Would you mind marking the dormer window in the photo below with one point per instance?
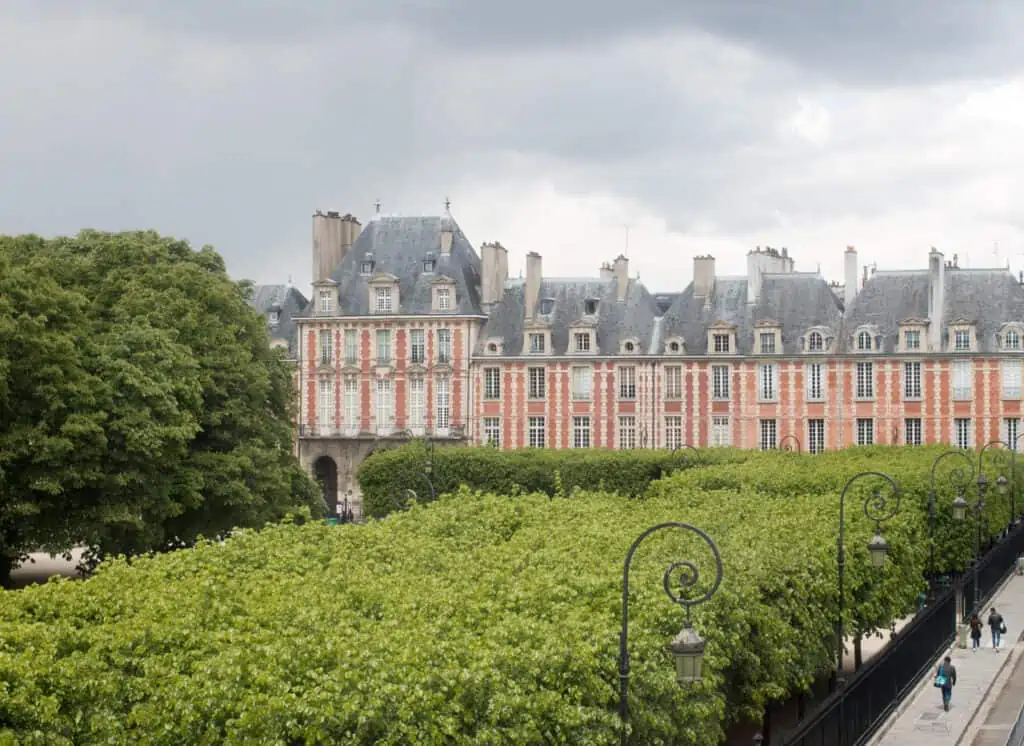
(911, 335)
(366, 267)
(538, 343)
(1011, 340)
(382, 297)
(429, 264)
(581, 341)
(766, 342)
(443, 295)
(444, 299)
(629, 346)
(912, 340)
(721, 342)
(275, 318)
(962, 340)
(1008, 338)
(815, 342)
(547, 305)
(325, 301)
(675, 346)
(493, 347)
(590, 306)
(721, 339)
(864, 341)
(961, 336)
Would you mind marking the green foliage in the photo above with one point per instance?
(477, 619)
(781, 475)
(140, 402)
(385, 476)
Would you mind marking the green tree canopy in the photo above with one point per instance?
(140, 402)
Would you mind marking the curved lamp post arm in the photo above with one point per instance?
(785, 445)
(687, 577)
(686, 447)
(878, 507)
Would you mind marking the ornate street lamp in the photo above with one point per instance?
(786, 445)
(680, 452)
(1002, 485)
(878, 507)
(688, 646)
(960, 479)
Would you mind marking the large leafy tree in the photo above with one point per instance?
(140, 403)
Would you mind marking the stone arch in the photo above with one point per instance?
(325, 470)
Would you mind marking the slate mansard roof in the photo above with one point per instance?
(987, 297)
(797, 301)
(288, 302)
(399, 246)
(634, 318)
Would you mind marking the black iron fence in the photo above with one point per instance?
(849, 717)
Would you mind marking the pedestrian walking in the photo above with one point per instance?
(998, 625)
(976, 626)
(945, 680)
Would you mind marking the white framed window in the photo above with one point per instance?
(385, 405)
(351, 346)
(673, 382)
(418, 346)
(325, 301)
(383, 297)
(767, 377)
(721, 433)
(865, 380)
(769, 434)
(366, 267)
(912, 431)
(1011, 431)
(581, 341)
(535, 430)
(537, 343)
(962, 370)
(581, 431)
(864, 341)
(326, 346)
(962, 340)
(815, 436)
(865, 431)
(352, 423)
(537, 383)
(325, 406)
(912, 340)
(1011, 379)
(720, 382)
(582, 382)
(383, 346)
(912, 380)
(627, 382)
(627, 431)
(442, 402)
(767, 340)
(492, 431)
(962, 432)
(720, 342)
(275, 317)
(444, 345)
(815, 381)
(1011, 340)
(444, 299)
(815, 342)
(673, 431)
(417, 403)
(492, 383)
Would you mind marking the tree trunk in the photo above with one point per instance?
(6, 567)
(858, 656)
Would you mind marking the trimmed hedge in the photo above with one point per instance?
(385, 476)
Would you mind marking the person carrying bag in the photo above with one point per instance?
(945, 680)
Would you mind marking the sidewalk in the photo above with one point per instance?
(922, 720)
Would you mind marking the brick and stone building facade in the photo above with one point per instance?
(411, 331)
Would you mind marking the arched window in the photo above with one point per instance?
(864, 342)
(815, 342)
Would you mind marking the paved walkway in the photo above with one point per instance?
(921, 720)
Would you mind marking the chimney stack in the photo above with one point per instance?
(493, 273)
(621, 271)
(936, 297)
(703, 276)
(849, 276)
(533, 278)
(606, 271)
(333, 236)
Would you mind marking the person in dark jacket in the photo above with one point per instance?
(945, 679)
(995, 621)
(976, 626)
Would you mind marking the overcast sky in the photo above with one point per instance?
(703, 125)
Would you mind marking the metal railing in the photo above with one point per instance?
(877, 689)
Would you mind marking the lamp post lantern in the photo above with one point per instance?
(960, 479)
(688, 646)
(879, 507)
(1002, 484)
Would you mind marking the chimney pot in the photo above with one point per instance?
(533, 280)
